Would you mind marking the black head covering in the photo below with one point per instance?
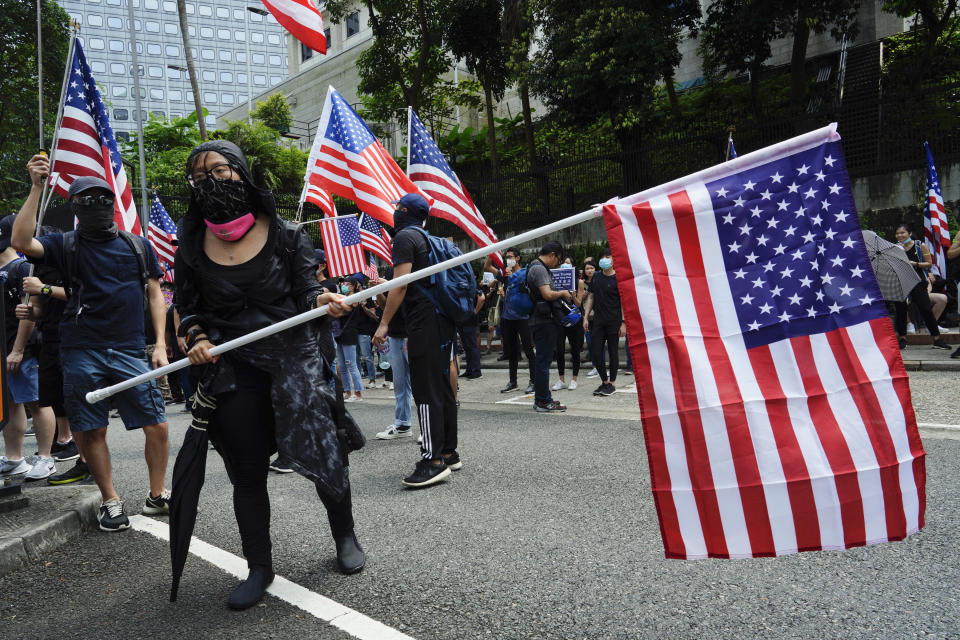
(261, 199)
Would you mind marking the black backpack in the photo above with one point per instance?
(73, 283)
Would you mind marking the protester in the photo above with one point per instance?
(429, 347)
(490, 314)
(572, 334)
(102, 331)
(368, 319)
(953, 253)
(22, 349)
(589, 269)
(400, 365)
(347, 351)
(542, 324)
(608, 325)
(240, 268)
(514, 324)
(469, 332)
(920, 259)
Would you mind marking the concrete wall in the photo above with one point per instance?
(904, 188)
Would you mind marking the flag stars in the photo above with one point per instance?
(810, 193)
(745, 229)
(767, 268)
(826, 278)
(721, 193)
(755, 211)
(765, 308)
(786, 273)
(753, 326)
(834, 189)
(837, 261)
(846, 290)
(789, 231)
(834, 308)
(802, 170)
(758, 283)
(805, 281)
(782, 205)
(772, 223)
(752, 258)
(801, 212)
(811, 312)
(830, 234)
(739, 274)
(728, 219)
(866, 300)
(784, 317)
(739, 201)
(856, 272)
(776, 178)
(824, 204)
(820, 295)
(849, 243)
(820, 175)
(793, 187)
(749, 185)
(747, 299)
(808, 237)
(794, 299)
(734, 247)
(841, 217)
(798, 254)
(829, 160)
(817, 220)
(779, 249)
(765, 195)
(763, 240)
(776, 291)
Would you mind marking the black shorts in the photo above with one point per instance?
(50, 379)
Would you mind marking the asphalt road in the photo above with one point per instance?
(549, 531)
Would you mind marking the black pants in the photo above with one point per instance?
(573, 335)
(468, 337)
(516, 333)
(608, 334)
(920, 299)
(242, 428)
(429, 344)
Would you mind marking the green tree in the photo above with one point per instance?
(274, 112)
(19, 109)
(936, 23)
(274, 163)
(517, 32)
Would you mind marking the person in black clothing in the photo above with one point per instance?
(240, 268)
(920, 259)
(542, 324)
(429, 343)
(469, 333)
(608, 326)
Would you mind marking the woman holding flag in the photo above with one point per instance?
(240, 268)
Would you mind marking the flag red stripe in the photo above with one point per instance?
(462, 206)
(752, 493)
(79, 148)
(344, 191)
(688, 404)
(887, 343)
(806, 520)
(80, 126)
(834, 445)
(670, 531)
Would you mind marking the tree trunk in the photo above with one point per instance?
(527, 122)
(798, 60)
(491, 130)
(188, 53)
(672, 92)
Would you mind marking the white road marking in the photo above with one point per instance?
(518, 400)
(931, 425)
(344, 618)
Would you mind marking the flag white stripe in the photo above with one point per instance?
(80, 160)
(674, 450)
(876, 367)
(855, 435)
(359, 194)
(777, 496)
(726, 485)
(306, 18)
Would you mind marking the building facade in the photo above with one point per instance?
(237, 52)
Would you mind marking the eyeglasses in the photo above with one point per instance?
(218, 172)
(89, 201)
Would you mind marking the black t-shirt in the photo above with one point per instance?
(606, 299)
(366, 325)
(51, 308)
(348, 332)
(397, 327)
(330, 285)
(409, 245)
(12, 275)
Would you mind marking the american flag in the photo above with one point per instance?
(429, 170)
(347, 160)
(374, 237)
(318, 196)
(371, 269)
(162, 233)
(936, 229)
(731, 150)
(341, 242)
(168, 275)
(86, 145)
(774, 401)
(302, 19)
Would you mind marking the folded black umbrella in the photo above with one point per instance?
(188, 475)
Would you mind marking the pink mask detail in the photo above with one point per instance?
(233, 230)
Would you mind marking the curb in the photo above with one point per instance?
(931, 365)
(26, 544)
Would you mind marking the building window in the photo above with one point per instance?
(176, 95)
(211, 121)
(119, 91)
(101, 67)
(256, 37)
(143, 92)
(159, 113)
(121, 114)
(259, 79)
(326, 35)
(136, 25)
(118, 68)
(273, 38)
(114, 23)
(140, 67)
(275, 60)
(96, 43)
(223, 34)
(94, 1)
(259, 58)
(152, 4)
(205, 10)
(275, 80)
(173, 74)
(239, 36)
(176, 115)
(207, 54)
(170, 6)
(238, 14)
(190, 8)
(256, 17)
(353, 23)
(241, 97)
(241, 78)
(153, 27)
(226, 98)
(223, 12)
(305, 52)
(153, 48)
(173, 50)
(130, 46)
(170, 28)
(206, 32)
(226, 76)
(194, 53)
(156, 94)
(225, 56)
(95, 20)
(207, 75)
(123, 135)
(210, 97)
(113, 3)
(241, 57)
(189, 96)
(155, 72)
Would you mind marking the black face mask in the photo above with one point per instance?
(94, 222)
(403, 219)
(222, 200)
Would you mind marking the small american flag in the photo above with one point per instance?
(318, 196)
(162, 233)
(374, 237)
(429, 170)
(347, 160)
(936, 229)
(341, 241)
(86, 145)
(774, 401)
(371, 269)
(168, 275)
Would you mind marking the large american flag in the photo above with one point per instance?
(375, 239)
(775, 404)
(86, 145)
(430, 171)
(162, 233)
(341, 242)
(347, 160)
(936, 229)
(302, 19)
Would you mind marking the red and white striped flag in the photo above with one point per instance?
(302, 19)
(430, 171)
(775, 404)
(341, 242)
(371, 269)
(936, 229)
(375, 239)
(162, 233)
(318, 196)
(347, 160)
(86, 145)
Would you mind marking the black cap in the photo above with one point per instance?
(416, 205)
(6, 230)
(321, 256)
(85, 183)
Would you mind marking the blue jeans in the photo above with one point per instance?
(545, 341)
(349, 373)
(366, 364)
(400, 363)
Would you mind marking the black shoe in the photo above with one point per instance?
(350, 556)
(452, 460)
(426, 474)
(250, 591)
(956, 354)
(280, 465)
(902, 343)
(473, 376)
(157, 505)
(64, 452)
(606, 389)
(549, 407)
(510, 387)
(530, 388)
(599, 390)
(940, 344)
(626, 372)
(76, 473)
(112, 517)
(502, 357)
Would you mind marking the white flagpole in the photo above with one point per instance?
(743, 163)
(409, 128)
(53, 177)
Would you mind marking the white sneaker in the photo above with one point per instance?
(390, 386)
(945, 329)
(558, 385)
(573, 385)
(394, 431)
(13, 467)
(371, 385)
(43, 467)
(910, 328)
(419, 439)
(593, 373)
(350, 399)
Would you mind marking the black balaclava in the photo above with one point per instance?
(224, 200)
(94, 222)
(417, 211)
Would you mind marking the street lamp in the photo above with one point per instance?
(246, 24)
(183, 97)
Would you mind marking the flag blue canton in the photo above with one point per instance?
(82, 93)
(346, 128)
(370, 224)
(349, 231)
(792, 247)
(160, 217)
(424, 150)
(933, 180)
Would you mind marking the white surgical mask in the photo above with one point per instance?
(511, 263)
(566, 265)
(606, 263)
